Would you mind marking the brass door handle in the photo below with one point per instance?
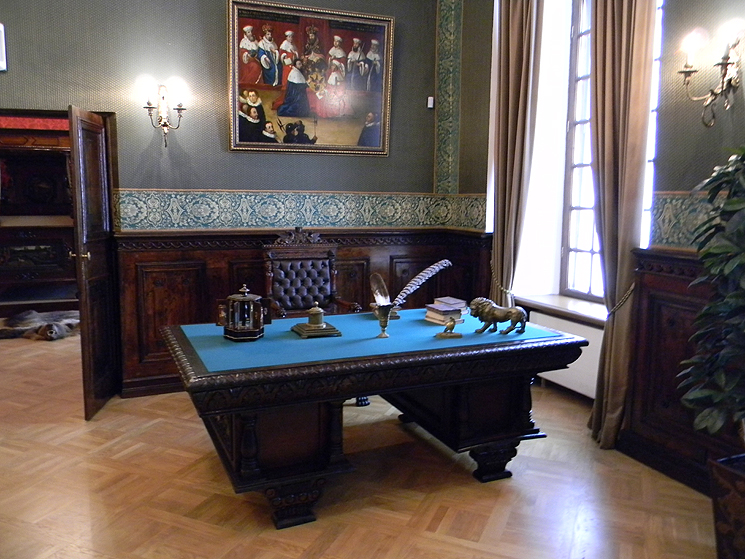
(72, 255)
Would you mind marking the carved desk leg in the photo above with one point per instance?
(249, 467)
(292, 504)
(293, 498)
(492, 458)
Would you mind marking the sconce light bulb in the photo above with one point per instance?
(691, 44)
(163, 103)
(730, 33)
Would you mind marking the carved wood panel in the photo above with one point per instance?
(249, 271)
(29, 253)
(168, 293)
(659, 413)
(660, 430)
(353, 281)
(153, 267)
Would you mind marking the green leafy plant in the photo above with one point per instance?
(715, 375)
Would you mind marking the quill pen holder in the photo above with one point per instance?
(383, 312)
(394, 313)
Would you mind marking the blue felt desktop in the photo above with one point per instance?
(281, 346)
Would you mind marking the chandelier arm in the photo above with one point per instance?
(699, 98)
(152, 122)
(178, 123)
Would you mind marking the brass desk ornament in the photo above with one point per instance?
(449, 330)
(491, 314)
(315, 327)
(394, 312)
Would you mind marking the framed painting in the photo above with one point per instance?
(309, 80)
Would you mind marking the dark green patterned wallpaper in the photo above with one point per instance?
(89, 53)
(687, 151)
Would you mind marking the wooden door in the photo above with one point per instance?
(95, 258)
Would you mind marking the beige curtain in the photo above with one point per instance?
(517, 72)
(622, 43)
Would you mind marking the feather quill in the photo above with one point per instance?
(379, 289)
(418, 280)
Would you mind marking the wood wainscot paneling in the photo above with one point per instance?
(659, 429)
(175, 278)
(352, 280)
(167, 293)
(169, 278)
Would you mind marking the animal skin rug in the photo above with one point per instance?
(34, 325)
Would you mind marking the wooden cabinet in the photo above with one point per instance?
(658, 430)
(35, 270)
(176, 278)
(36, 227)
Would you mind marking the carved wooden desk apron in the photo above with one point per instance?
(273, 407)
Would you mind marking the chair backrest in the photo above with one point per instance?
(300, 271)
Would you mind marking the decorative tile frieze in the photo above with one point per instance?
(449, 30)
(674, 217)
(208, 209)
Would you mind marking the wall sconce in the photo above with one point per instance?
(164, 122)
(729, 71)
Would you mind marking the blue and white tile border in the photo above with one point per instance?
(447, 137)
(211, 209)
(674, 217)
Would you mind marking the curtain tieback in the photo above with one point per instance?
(503, 289)
(498, 284)
(623, 299)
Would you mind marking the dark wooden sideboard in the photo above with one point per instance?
(36, 225)
(36, 272)
(658, 429)
(169, 278)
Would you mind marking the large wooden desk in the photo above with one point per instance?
(273, 407)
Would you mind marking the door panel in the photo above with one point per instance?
(95, 260)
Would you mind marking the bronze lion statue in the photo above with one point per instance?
(488, 312)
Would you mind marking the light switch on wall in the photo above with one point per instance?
(3, 61)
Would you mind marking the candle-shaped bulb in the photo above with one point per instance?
(163, 103)
(692, 43)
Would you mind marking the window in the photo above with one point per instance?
(559, 248)
(581, 272)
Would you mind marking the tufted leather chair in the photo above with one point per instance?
(300, 272)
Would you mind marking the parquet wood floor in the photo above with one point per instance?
(142, 481)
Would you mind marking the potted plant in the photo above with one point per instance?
(715, 376)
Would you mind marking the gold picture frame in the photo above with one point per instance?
(309, 80)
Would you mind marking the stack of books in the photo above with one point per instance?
(445, 308)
